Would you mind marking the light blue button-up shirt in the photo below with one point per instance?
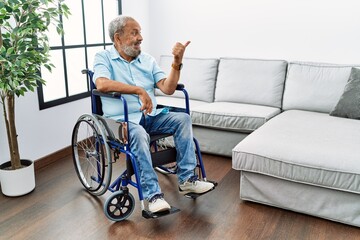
(143, 71)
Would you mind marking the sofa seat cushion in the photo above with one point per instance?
(307, 147)
(229, 116)
(177, 102)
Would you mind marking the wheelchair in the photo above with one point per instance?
(95, 147)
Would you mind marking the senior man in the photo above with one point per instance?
(126, 69)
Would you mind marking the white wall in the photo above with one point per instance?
(307, 30)
(41, 133)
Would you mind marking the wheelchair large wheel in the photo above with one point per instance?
(91, 155)
(119, 206)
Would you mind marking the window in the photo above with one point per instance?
(85, 34)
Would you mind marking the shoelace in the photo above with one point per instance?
(156, 197)
(193, 179)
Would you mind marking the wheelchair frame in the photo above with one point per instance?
(92, 156)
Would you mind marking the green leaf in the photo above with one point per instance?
(25, 42)
(25, 6)
(10, 51)
(8, 9)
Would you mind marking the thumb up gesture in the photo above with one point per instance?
(178, 51)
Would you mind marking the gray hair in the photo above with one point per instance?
(117, 25)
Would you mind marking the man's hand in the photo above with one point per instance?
(178, 52)
(145, 99)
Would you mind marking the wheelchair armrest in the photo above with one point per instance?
(107, 94)
(180, 86)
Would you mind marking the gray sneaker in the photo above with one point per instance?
(194, 185)
(158, 204)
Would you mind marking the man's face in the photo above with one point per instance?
(131, 39)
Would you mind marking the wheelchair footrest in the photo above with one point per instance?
(147, 214)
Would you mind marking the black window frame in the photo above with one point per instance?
(70, 98)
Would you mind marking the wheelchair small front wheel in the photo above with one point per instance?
(119, 206)
(91, 155)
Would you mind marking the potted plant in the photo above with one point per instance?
(24, 48)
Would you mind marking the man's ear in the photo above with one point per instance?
(117, 38)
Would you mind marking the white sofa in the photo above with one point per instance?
(273, 118)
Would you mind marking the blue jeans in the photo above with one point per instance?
(176, 123)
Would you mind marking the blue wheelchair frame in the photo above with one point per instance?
(119, 186)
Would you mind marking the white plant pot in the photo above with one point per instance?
(17, 182)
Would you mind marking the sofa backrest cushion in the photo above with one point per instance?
(251, 81)
(314, 86)
(198, 75)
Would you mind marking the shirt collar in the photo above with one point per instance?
(115, 54)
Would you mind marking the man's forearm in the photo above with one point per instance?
(169, 84)
(107, 85)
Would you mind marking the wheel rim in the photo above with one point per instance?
(91, 156)
(119, 206)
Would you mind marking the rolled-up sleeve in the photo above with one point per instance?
(101, 66)
(157, 72)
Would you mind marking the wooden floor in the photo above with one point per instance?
(60, 209)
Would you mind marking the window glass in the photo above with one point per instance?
(73, 25)
(54, 37)
(111, 11)
(94, 23)
(75, 63)
(55, 84)
(91, 51)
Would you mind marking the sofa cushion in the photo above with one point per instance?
(314, 86)
(349, 103)
(308, 147)
(228, 116)
(198, 75)
(251, 81)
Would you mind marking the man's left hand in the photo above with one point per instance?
(178, 51)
